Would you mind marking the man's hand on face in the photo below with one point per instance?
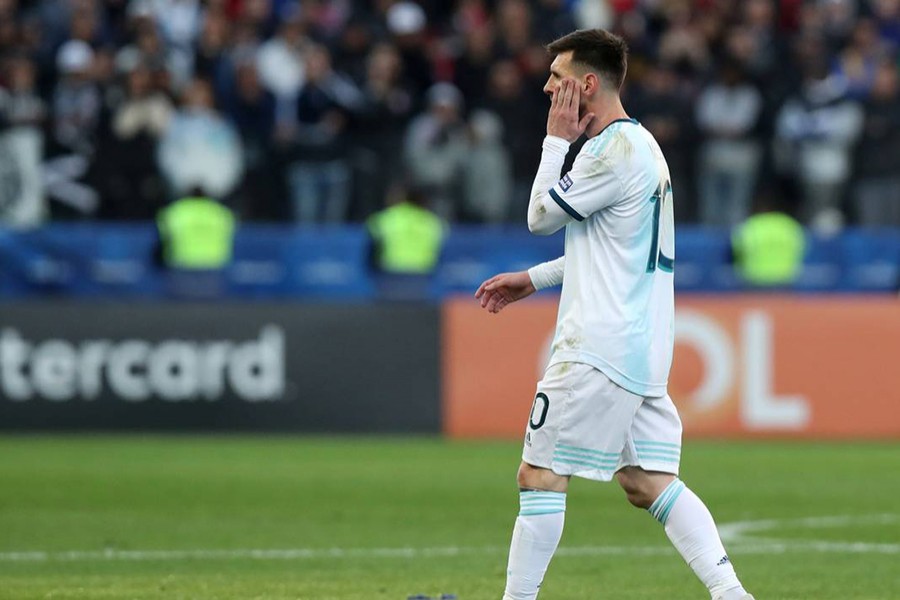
(563, 121)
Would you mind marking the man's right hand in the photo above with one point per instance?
(503, 289)
(563, 121)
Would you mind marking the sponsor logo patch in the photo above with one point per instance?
(565, 183)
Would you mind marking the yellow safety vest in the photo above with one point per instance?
(197, 233)
(409, 237)
(769, 249)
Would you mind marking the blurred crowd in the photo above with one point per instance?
(314, 111)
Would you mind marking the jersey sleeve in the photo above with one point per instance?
(548, 274)
(590, 186)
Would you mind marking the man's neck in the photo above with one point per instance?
(609, 110)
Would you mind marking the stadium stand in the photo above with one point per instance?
(311, 111)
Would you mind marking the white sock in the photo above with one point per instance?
(535, 537)
(693, 532)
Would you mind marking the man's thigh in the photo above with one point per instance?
(654, 440)
(579, 422)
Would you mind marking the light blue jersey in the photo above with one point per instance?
(616, 312)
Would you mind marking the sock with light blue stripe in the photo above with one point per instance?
(661, 508)
(692, 531)
(535, 502)
(536, 535)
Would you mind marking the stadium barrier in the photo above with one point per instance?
(247, 367)
(744, 366)
(332, 263)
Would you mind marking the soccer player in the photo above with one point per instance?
(601, 410)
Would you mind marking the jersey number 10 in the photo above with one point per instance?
(657, 258)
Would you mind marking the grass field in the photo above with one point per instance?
(362, 518)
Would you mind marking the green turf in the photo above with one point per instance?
(61, 494)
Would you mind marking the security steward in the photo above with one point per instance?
(768, 248)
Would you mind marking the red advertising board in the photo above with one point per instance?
(745, 366)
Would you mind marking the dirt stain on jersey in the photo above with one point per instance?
(619, 146)
(572, 342)
(618, 149)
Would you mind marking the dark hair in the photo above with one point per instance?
(599, 50)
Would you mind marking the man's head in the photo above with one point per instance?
(594, 58)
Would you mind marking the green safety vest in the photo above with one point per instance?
(769, 249)
(197, 233)
(409, 237)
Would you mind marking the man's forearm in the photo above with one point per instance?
(547, 274)
(542, 220)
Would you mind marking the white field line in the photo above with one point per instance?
(732, 533)
(737, 531)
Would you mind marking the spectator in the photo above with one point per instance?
(281, 64)
(355, 44)
(815, 131)
(252, 110)
(514, 26)
(211, 47)
(150, 49)
(682, 44)
(257, 16)
(877, 188)
(472, 68)
(766, 45)
(76, 99)
(130, 185)
(76, 113)
(22, 106)
(487, 171)
(319, 178)
(663, 105)
(554, 19)
(597, 13)
(435, 149)
(179, 21)
(838, 17)
(516, 103)
(728, 112)
(22, 117)
(857, 63)
(387, 108)
(407, 25)
(887, 14)
(199, 147)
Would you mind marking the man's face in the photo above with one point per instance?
(560, 69)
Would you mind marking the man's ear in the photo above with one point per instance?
(590, 84)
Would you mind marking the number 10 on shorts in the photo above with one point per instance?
(539, 411)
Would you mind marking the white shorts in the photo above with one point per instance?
(583, 424)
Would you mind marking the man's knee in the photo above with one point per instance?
(538, 478)
(642, 488)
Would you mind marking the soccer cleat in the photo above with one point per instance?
(745, 597)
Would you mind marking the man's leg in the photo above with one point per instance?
(689, 526)
(542, 509)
